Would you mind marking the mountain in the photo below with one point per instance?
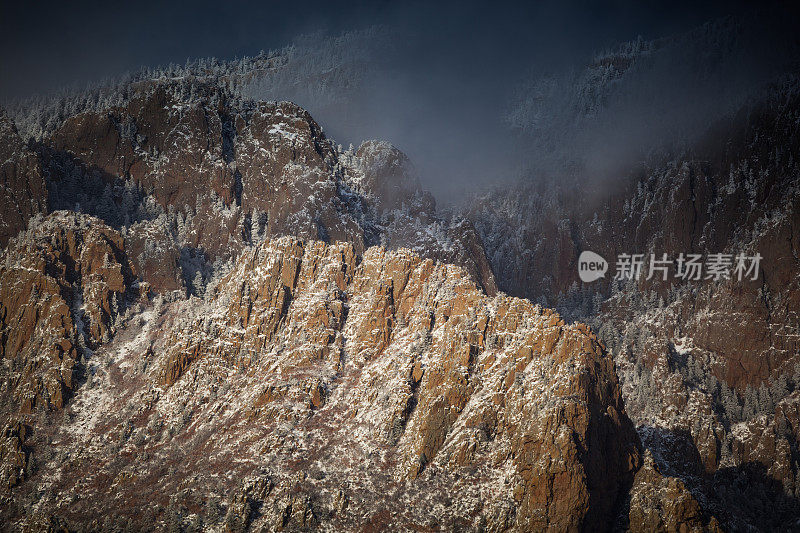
(214, 318)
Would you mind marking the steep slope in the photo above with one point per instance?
(62, 284)
(317, 387)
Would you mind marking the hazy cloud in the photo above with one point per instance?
(445, 82)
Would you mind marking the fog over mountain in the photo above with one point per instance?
(443, 82)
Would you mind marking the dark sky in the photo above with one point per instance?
(47, 44)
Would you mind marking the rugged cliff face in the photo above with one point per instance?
(316, 386)
(62, 284)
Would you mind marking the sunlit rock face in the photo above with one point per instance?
(318, 387)
(63, 282)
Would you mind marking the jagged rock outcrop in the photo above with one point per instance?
(231, 173)
(62, 283)
(383, 390)
(662, 503)
(406, 214)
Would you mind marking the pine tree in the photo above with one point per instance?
(174, 522)
(779, 388)
(730, 403)
(796, 376)
(751, 406)
(765, 403)
(255, 230)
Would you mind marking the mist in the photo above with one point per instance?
(477, 95)
(475, 111)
